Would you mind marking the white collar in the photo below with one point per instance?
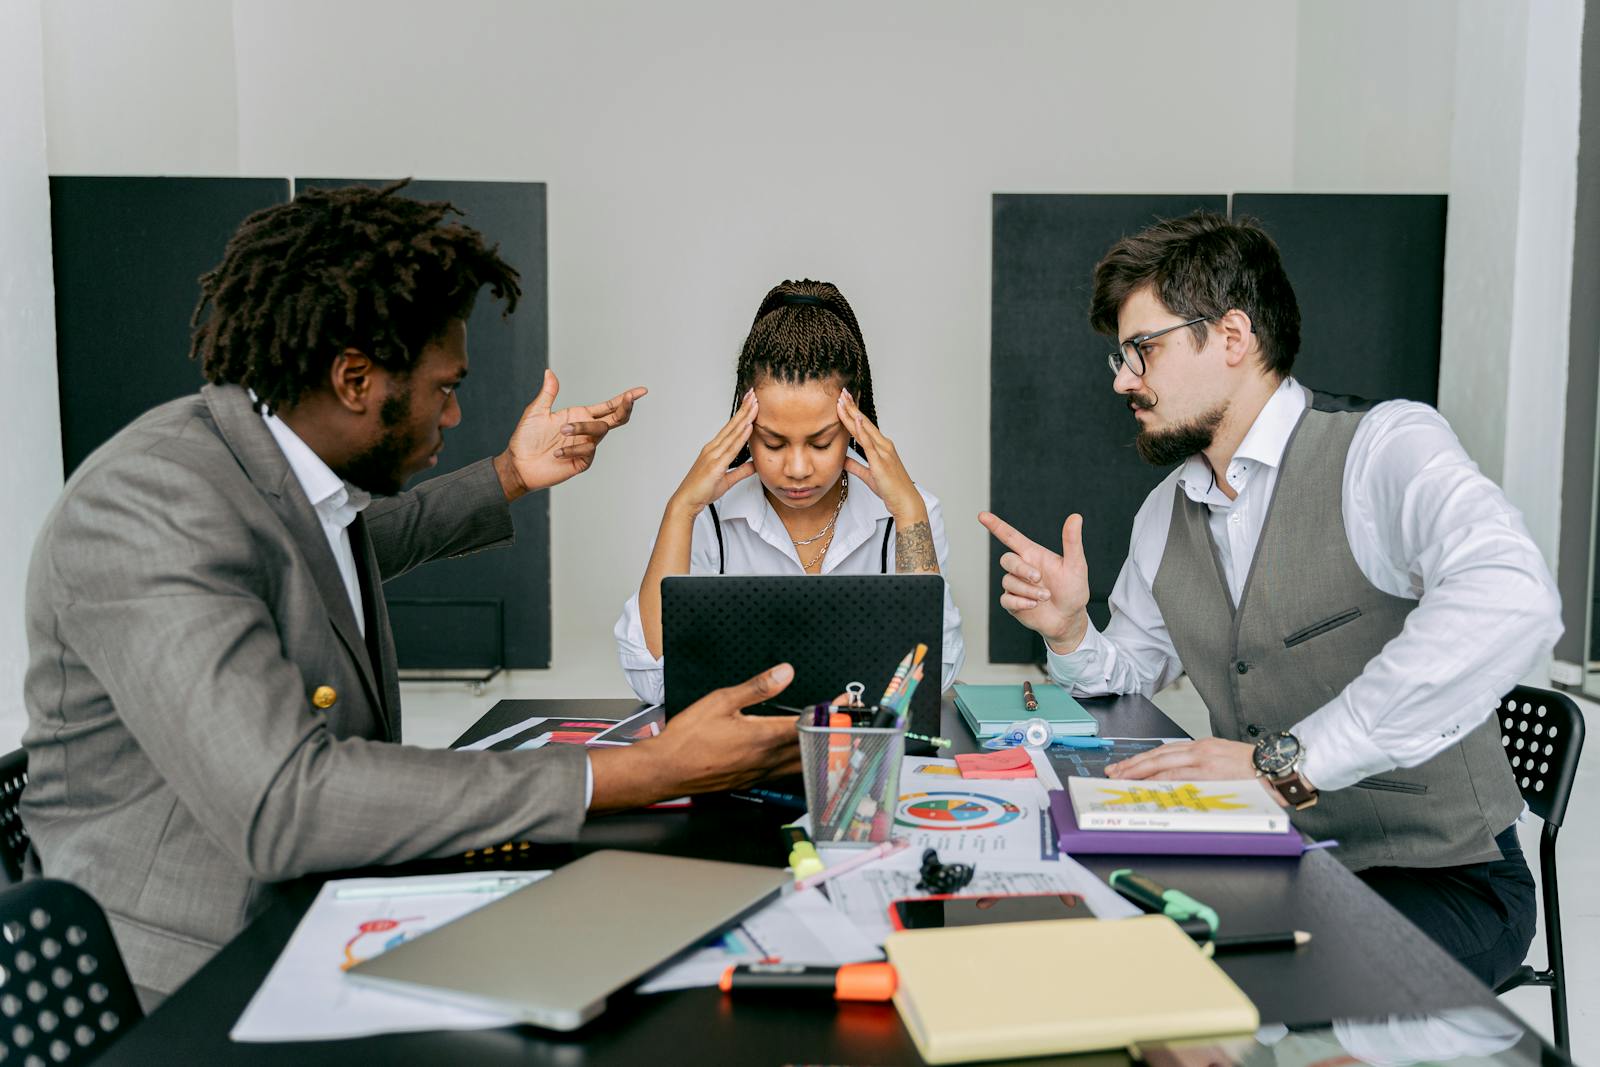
(861, 509)
(334, 499)
(1263, 444)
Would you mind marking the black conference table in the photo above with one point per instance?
(1365, 961)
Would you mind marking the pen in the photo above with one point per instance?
(502, 884)
(1152, 896)
(898, 677)
(888, 848)
(1029, 701)
(852, 981)
(1083, 742)
(803, 858)
(1257, 942)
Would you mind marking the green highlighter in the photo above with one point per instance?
(1175, 905)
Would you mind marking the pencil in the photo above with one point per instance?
(1260, 942)
(898, 677)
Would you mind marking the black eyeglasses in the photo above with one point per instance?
(1129, 351)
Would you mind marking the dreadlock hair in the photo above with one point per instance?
(333, 269)
(805, 331)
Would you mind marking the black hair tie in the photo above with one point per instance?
(793, 299)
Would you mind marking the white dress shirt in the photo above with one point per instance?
(755, 541)
(337, 503)
(1422, 523)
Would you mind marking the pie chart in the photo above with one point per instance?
(954, 810)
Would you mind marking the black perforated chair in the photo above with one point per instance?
(14, 842)
(64, 994)
(1542, 732)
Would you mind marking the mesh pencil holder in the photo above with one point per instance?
(852, 782)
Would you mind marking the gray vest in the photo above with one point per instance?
(1307, 623)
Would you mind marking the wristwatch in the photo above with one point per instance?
(1277, 758)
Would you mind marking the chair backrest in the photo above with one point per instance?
(13, 838)
(65, 994)
(1542, 732)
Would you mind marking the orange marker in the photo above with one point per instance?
(852, 981)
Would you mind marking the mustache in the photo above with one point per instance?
(1142, 401)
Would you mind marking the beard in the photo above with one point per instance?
(1173, 445)
(380, 468)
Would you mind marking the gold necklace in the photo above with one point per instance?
(823, 551)
(826, 531)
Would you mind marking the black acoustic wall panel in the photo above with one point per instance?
(491, 609)
(1060, 439)
(1368, 272)
(128, 253)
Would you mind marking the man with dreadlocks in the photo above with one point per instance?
(212, 696)
(830, 493)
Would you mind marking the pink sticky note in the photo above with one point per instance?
(1002, 763)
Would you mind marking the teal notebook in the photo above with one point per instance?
(989, 709)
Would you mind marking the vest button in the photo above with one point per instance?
(1242, 667)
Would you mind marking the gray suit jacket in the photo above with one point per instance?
(183, 608)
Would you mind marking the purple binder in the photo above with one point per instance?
(1165, 842)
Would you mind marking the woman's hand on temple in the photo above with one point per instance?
(710, 477)
(883, 473)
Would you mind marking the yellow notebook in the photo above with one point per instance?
(1066, 985)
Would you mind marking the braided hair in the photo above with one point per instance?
(805, 331)
(333, 269)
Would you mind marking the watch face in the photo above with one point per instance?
(1275, 754)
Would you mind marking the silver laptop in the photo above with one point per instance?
(552, 952)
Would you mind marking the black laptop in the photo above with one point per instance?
(719, 630)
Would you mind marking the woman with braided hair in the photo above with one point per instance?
(829, 493)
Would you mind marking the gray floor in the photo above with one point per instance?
(435, 714)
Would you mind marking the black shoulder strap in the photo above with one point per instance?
(888, 532)
(716, 524)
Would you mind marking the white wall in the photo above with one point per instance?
(30, 462)
(1508, 258)
(698, 152)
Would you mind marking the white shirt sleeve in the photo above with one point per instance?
(1423, 522)
(646, 673)
(1135, 654)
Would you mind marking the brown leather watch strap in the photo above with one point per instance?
(1295, 789)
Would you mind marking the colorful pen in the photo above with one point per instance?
(1029, 701)
(852, 981)
(1153, 896)
(499, 884)
(877, 852)
(1083, 742)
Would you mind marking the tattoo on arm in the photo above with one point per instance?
(913, 550)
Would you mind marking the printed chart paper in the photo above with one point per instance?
(306, 996)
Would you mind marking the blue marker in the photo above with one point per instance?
(1083, 742)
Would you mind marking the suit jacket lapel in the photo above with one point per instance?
(251, 442)
(380, 638)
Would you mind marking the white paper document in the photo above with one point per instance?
(796, 928)
(977, 820)
(306, 996)
(864, 896)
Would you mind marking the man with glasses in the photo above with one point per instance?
(1347, 592)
